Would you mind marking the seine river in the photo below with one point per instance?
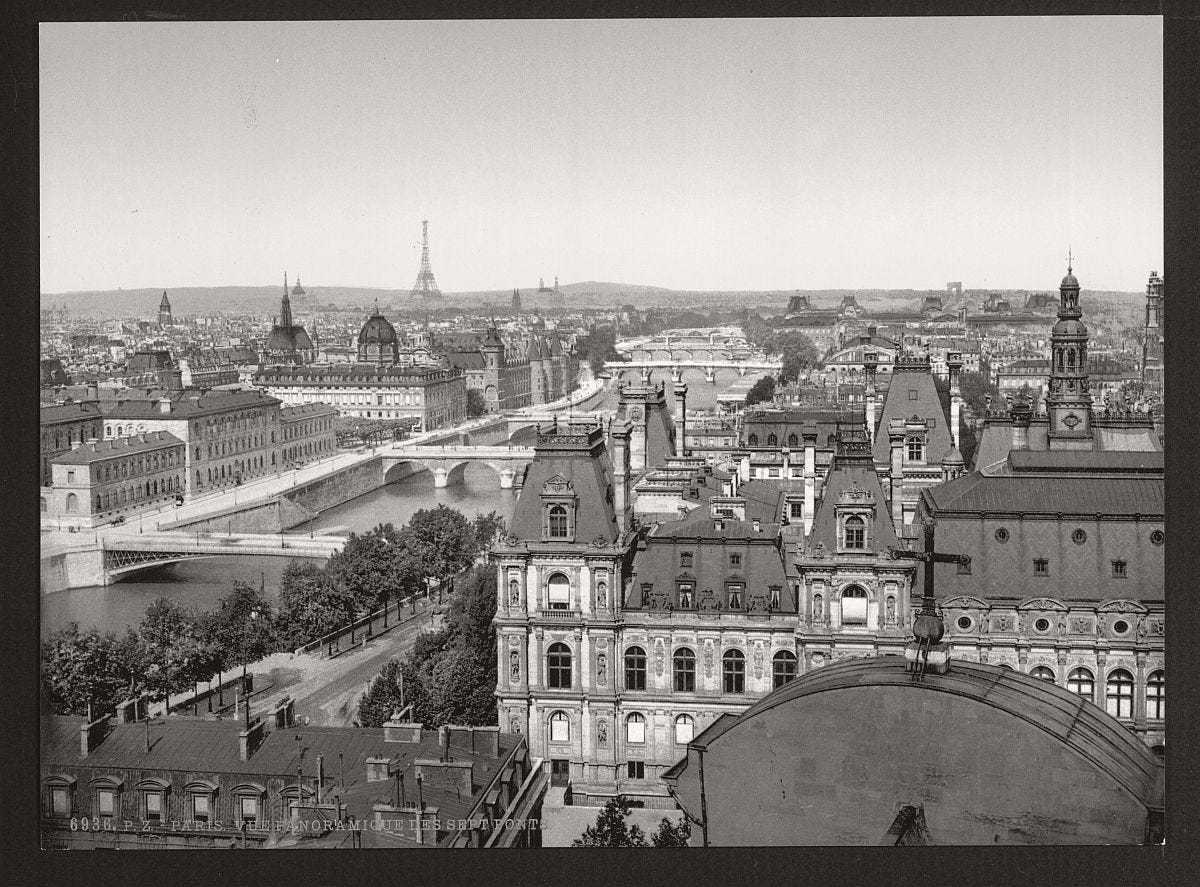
(201, 583)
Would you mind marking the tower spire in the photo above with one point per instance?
(285, 308)
(426, 287)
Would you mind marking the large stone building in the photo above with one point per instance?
(65, 425)
(289, 342)
(866, 753)
(509, 376)
(188, 782)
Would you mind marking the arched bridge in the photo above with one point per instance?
(448, 462)
(710, 366)
(128, 553)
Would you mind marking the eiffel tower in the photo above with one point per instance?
(426, 287)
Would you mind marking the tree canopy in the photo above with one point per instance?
(310, 605)
(82, 669)
(763, 391)
(242, 627)
(611, 828)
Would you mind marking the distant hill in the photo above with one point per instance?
(264, 300)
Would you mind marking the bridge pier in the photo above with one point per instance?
(710, 375)
(742, 370)
(507, 475)
(441, 478)
(676, 374)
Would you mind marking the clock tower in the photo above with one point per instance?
(1069, 403)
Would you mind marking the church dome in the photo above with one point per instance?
(953, 457)
(1070, 327)
(1069, 281)
(377, 331)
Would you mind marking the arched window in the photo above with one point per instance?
(558, 522)
(855, 532)
(685, 729)
(72, 502)
(754, 440)
(1119, 694)
(683, 666)
(783, 668)
(558, 592)
(916, 449)
(772, 440)
(733, 671)
(558, 667)
(1042, 673)
(635, 728)
(854, 606)
(1080, 681)
(560, 727)
(635, 669)
(1156, 695)
(43, 503)
(792, 440)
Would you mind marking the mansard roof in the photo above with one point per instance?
(849, 476)
(927, 405)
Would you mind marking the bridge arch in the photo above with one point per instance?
(401, 470)
(524, 437)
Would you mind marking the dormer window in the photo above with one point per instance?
(558, 522)
(854, 534)
(774, 597)
(916, 448)
(734, 592)
(686, 595)
(558, 509)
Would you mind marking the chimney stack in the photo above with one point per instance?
(757, 525)
(1022, 415)
(810, 478)
(954, 362)
(681, 418)
(164, 405)
(621, 433)
(896, 447)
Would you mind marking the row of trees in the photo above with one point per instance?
(175, 647)
(449, 677)
(598, 347)
(354, 431)
(613, 830)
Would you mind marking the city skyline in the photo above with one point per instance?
(685, 154)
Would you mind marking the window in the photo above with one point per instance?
(558, 671)
(201, 808)
(912, 394)
(1042, 673)
(1156, 695)
(635, 669)
(754, 440)
(735, 560)
(735, 596)
(72, 502)
(43, 503)
(773, 597)
(733, 671)
(855, 532)
(683, 667)
(686, 590)
(783, 668)
(70, 477)
(1119, 694)
(685, 559)
(558, 522)
(797, 510)
(916, 449)
(248, 809)
(154, 806)
(559, 592)
(1079, 681)
(792, 440)
(1118, 568)
(60, 801)
(106, 802)
(637, 769)
(854, 606)
(772, 440)
(635, 728)
(685, 729)
(560, 727)
(1041, 566)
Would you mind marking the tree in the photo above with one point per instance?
(242, 628)
(974, 388)
(82, 669)
(797, 351)
(763, 391)
(441, 541)
(611, 829)
(310, 605)
(598, 348)
(476, 406)
(487, 529)
(372, 568)
(672, 834)
(382, 698)
(171, 652)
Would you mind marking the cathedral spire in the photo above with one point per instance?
(285, 308)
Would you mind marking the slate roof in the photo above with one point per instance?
(1072, 720)
(844, 474)
(75, 411)
(1039, 494)
(1107, 436)
(121, 446)
(191, 403)
(927, 406)
(586, 465)
(467, 360)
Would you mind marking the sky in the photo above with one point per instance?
(691, 154)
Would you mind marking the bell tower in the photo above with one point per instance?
(1069, 402)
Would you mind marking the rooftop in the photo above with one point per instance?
(97, 451)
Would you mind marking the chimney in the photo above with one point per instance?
(444, 742)
(402, 731)
(896, 446)
(621, 499)
(251, 738)
(810, 478)
(283, 715)
(681, 418)
(871, 330)
(954, 362)
(92, 734)
(1021, 414)
(719, 525)
(870, 363)
(164, 405)
(757, 525)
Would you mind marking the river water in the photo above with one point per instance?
(201, 583)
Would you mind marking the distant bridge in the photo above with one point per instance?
(126, 553)
(710, 366)
(449, 462)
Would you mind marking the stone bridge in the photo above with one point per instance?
(447, 462)
(676, 363)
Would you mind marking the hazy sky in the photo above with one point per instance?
(694, 154)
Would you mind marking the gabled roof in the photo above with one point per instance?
(927, 405)
(75, 411)
(847, 475)
(1040, 494)
(121, 446)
